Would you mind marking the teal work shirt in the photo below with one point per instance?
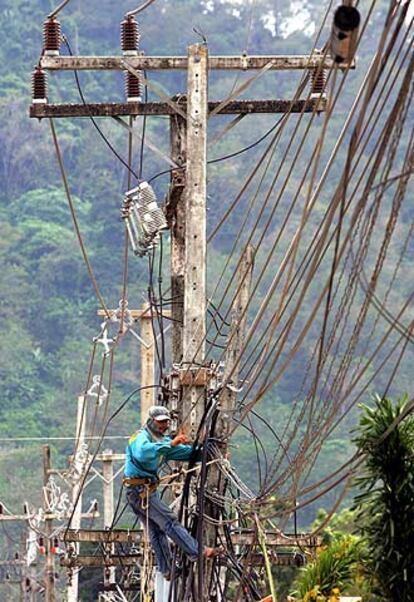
(144, 455)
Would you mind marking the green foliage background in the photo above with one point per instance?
(47, 306)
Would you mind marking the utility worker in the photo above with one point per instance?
(146, 451)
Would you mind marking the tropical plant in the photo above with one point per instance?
(385, 506)
(333, 569)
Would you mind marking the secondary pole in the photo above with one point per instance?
(108, 499)
(50, 563)
(76, 493)
(147, 361)
(228, 395)
(235, 342)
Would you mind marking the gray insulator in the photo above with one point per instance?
(135, 226)
(131, 236)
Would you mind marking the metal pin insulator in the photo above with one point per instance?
(51, 37)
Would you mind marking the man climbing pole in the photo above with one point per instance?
(146, 451)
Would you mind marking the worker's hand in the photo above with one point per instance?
(180, 438)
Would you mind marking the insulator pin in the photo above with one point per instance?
(39, 86)
(130, 36)
(133, 88)
(51, 37)
(344, 35)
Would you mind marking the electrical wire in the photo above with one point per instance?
(139, 9)
(93, 120)
(74, 218)
(299, 280)
(224, 157)
(58, 9)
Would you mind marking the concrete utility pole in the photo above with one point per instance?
(235, 342)
(22, 548)
(186, 215)
(50, 561)
(77, 493)
(108, 500)
(228, 395)
(48, 581)
(195, 207)
(176, 212)
(147, 361)
(194, 374)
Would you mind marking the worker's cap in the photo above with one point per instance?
(159, 413)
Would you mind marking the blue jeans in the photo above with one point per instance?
(162, 522)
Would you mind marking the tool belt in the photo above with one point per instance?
(134, 482)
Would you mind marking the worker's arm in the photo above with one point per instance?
(182, 449)
(181, 452)
(146, 451)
